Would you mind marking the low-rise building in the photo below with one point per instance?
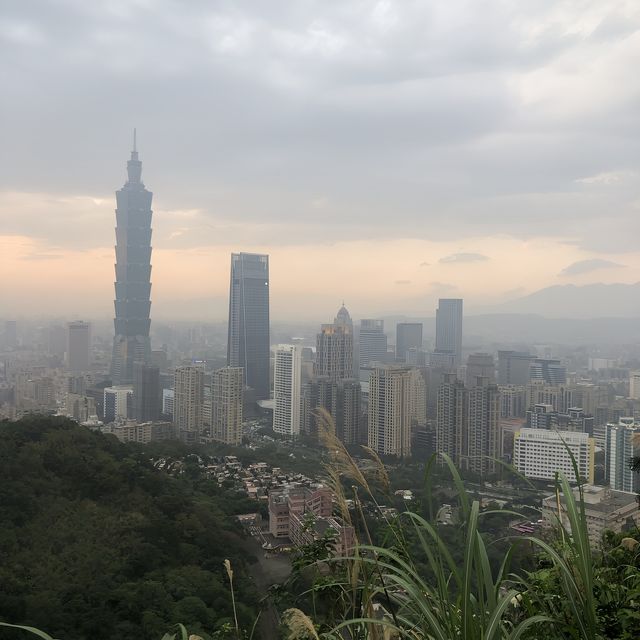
(605, 510)
(304, 514)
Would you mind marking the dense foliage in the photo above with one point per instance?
(97, 544)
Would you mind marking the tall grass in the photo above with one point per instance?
(388, 594)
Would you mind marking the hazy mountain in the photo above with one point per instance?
(573, 301)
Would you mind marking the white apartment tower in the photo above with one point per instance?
(287, 389)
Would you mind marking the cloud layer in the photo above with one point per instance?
(587, 266)
(294, 126)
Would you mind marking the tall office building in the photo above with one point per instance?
(133, 274)
(449, 328)
(226, 422)
(146, 392)
(408, 338)
(622, 442)
(513, 367)
(389, 425)
(480, 365)
(334, 348)
(248, 342)
(188, 401)
(78, 344)
(287, 390)
(547, 370)
(372, 342)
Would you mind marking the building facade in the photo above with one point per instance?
(248, 340)
(334, 350)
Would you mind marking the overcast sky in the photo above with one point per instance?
(384, 153)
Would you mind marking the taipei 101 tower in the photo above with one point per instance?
(133, 274)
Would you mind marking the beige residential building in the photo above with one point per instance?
(226, 421)
(188, 400)
(390, 410)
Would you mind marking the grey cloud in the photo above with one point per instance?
(403, 281)
(425, 264)
(586, 266)
(456, 258)
(247, 111)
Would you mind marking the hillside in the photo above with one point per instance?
(96, 544)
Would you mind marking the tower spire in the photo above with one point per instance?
(135, 148)
(134, 166)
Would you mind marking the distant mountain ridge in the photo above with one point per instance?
(596, 300)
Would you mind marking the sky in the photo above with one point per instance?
(383, 153)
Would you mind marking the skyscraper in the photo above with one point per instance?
(133, 274)
(248, 341)
(287, 390)
(372, 342)
(146, 392)
(334, 348)
(226, 423)
(390, 410)
(408, 336)
(449, 328)
(78, 346)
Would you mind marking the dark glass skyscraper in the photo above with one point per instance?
(133, 274)
(248, 344)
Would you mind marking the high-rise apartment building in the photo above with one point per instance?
(78, 346)
(540, 453)
(146, 392)
(449, 329)
(467, 423)
(188, 400)
(372, 342)
(167, 403)
(341, 399)
(287, 390)
(133, 274)
(622, 442)
(408, 338)
(248, 341)
(226, 423)
(389, 424)
(334, 348)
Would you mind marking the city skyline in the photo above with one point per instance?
(477, 195)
